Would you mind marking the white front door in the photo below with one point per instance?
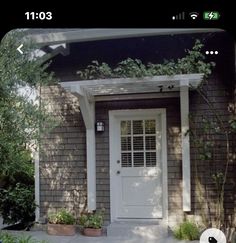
(136, 164)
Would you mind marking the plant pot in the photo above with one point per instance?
(92, 232)
(61, 229)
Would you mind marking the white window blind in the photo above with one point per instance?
(138, 143)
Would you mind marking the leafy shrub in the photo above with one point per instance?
(187, 231)
(28, 239)
(91, 220)
(9, 238)
(17, 204)
(61, 217)
(20, 121)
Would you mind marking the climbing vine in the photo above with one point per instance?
(193, 62)
(214, 129)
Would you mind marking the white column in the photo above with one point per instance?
(88, 113)
(184, 108)
(36, 184)
(91, 169)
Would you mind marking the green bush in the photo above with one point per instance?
(91, 220)
(9, 238)
(17, 204)
(22, 123)
(61, 217)
(187, 231)
(28, 239)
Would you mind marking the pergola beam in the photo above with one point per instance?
(118, 86)
(53, 37)
(159, 80)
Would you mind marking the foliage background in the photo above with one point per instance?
(22, 120)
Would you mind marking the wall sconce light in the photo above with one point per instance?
(100, 126)
(161, 88)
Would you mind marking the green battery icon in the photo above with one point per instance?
(211, 15)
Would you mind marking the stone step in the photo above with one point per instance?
(141, 230)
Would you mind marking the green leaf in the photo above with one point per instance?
(193, 62)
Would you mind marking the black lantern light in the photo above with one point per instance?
(100, 126)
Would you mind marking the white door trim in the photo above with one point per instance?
(114, 153)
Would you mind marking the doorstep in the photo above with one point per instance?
(135, 229)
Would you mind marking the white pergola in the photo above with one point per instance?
(90, 91)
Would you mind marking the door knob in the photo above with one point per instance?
(118, 172)
(118, 161)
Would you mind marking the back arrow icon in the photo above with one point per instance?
(19, 49)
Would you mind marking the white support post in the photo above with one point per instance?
(184, 108)
(88, 112)
(36, 184)
(91, 169)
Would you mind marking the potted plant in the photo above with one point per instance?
(92, 223)
(61, 223)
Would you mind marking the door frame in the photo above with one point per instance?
(114, 153)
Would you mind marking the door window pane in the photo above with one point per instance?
(138, 159)
(125, 127)
(150, 142)
(138, 143)
(150, 127)
(126, 160)
(151, 159)
(138, 127)
(125, 143)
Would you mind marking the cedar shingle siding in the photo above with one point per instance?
(63, 155)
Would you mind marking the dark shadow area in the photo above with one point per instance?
(19, 227)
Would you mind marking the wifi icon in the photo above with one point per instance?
(193, 15)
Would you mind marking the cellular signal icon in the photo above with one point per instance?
(180, 16)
